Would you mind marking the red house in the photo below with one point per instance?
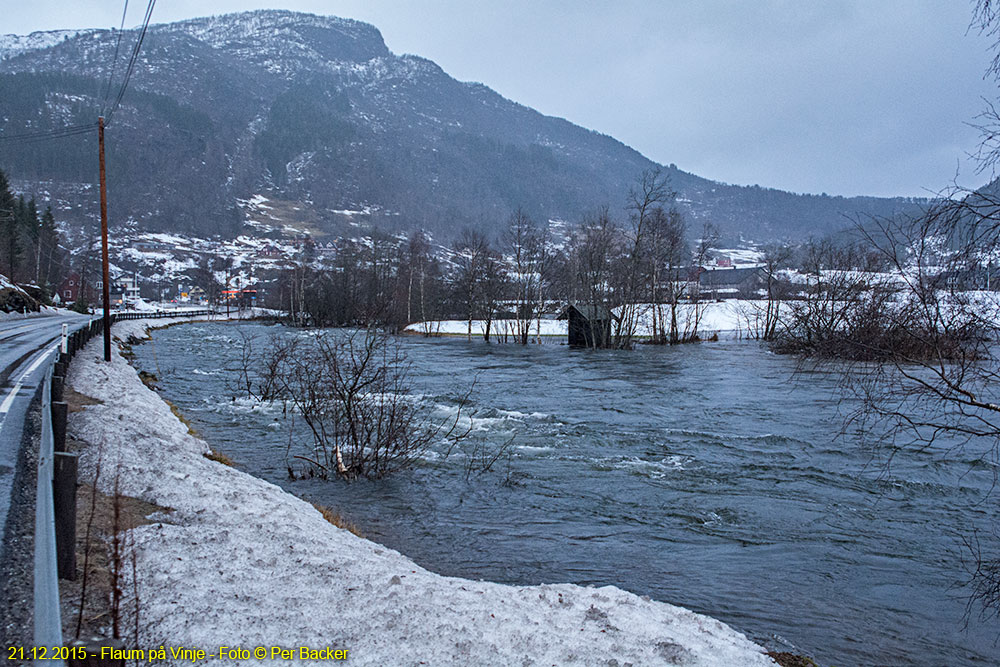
(70, 289)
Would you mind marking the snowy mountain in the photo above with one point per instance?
(316, 114)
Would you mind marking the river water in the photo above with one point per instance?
(709, 476)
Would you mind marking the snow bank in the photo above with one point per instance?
(497, 327)
(724, 316)
(44, 311)
(240, 563)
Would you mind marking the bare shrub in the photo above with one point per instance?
(353, 392)
(480, 457)
(918, 352)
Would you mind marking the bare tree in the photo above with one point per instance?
(645, 207)
(762, 321)
(916, 342)
(590, 265)
(941, 373)
(492, 286)
(525, 249)
(842, 304)
(470, 253)
(671, 263)
(776, 258)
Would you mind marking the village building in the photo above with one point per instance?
(129, 290)
(71, 288)
(721, 283)
(269, 251)
(149, 246)
(196, 295)
(975, 278)
(74, 288)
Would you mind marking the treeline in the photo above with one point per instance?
(29, 241)
(640, 265)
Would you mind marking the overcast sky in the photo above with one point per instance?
(838, 96)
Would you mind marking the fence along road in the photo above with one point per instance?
(28, 349)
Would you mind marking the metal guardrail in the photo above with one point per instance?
(47, 611)
(48, 618)
(122, 316)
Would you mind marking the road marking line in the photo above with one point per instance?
(8, 400)
(10, 333)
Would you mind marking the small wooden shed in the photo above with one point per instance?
(589, 326)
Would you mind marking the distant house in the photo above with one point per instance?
(148, 246)
(71, 288)
(196, 294)
(719, 283)
(589, 326)
(116, 294)
(976, 278)
(269, 251)
(74, 288)
(130, 290)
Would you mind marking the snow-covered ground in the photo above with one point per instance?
(730, 317)
(240, 563)
(497, 328)
(44, 311)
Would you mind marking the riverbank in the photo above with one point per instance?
(238, 562)
(728, 319)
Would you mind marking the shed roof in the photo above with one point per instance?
(588, 312)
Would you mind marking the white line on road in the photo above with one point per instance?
(8, 400)
(12, 332)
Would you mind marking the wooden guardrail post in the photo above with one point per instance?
(59, 411)
(64, 504)
(58, 381)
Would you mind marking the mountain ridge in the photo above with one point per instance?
(317, 110)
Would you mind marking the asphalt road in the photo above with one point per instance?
(26, 345)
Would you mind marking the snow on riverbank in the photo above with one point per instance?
(736, 317)
(241, 563)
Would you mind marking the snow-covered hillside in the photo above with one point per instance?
(316, 111)
(14, 45)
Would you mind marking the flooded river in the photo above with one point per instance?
(709, 476)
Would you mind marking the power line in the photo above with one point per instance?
(44, 135)
(132, 60)
(77, 130)
(114, 63)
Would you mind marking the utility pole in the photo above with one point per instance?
(104, 243)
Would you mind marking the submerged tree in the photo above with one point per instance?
(353, 392)
(527, 258)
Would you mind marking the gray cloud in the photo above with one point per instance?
(848, 97)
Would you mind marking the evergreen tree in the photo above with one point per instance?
(10, 242)
(48, 255)
(29, 229)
